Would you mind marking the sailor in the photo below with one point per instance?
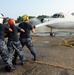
(13, 44)
(3, 47)
(25, 37)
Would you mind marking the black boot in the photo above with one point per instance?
(34, 57)
(14, 62)
(9, 68)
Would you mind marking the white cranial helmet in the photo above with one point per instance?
(1, 18)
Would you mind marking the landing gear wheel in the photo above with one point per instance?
(51, 34)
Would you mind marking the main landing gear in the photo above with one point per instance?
(51, 33)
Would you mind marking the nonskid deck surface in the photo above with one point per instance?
(52, 58)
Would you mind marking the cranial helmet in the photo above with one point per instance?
(1, 18)
(11, 21)
(25, 17)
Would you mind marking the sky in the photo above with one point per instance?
(15, 8)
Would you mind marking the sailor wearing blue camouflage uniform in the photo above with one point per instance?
(3, 47)
(25, 37)
(14, 45)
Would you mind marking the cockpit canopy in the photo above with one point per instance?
(58, 15)
(62, 15)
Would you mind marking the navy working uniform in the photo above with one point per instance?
(3, 48)
(14, 45)
(25, 37)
